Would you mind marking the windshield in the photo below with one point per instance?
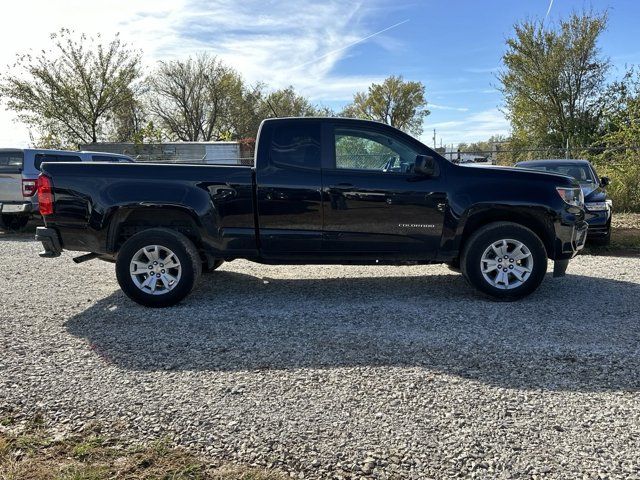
(582, 173)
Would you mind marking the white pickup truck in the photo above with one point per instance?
(19, 170)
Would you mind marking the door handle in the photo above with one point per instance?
(343, 186)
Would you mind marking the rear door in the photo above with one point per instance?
(288, 183)
(374, 202)
(11, 162)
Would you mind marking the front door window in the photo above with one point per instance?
(370, 150)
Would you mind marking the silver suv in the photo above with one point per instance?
(19, 170)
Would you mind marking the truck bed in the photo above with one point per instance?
(214, 200)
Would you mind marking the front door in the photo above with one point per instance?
(373, 201)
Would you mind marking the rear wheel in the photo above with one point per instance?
(158, 267)
(504, 260)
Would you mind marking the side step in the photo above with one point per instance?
(85, 258)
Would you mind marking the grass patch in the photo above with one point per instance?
(625, 237)
(34, 455)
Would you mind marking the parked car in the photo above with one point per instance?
(597, 203)
(318, 194)
(19, 170)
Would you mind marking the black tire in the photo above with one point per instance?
(209, 267)
(13, 223)
(482, 240)
(184, 250)
(601, 241)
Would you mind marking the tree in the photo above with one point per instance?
(394, 102)
(193, 99)
(552, 81)
(617, 151)
(69, 94)
(257, 104)
(129, 119)
(483, 146)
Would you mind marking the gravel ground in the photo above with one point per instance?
(393, 372)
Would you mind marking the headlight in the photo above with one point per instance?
(572, 196)
(597, 206)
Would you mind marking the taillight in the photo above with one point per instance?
(29, 187)
(45, 195)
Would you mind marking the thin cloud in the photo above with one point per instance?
(435, 106)
(472, 128)
(352, 44)
(549, 9)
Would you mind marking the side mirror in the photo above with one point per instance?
(604, 181)
(425, 165)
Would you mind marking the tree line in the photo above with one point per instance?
(560, 101)
(555, 82)
(87, 89)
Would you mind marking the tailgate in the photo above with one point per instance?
(11, 176)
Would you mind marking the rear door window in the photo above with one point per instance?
(296, 145)
(11, 162)
(40, 158)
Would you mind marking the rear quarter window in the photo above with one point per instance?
(40, 158)
(296, 145)
(11, 162)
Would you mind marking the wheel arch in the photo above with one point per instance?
(127, 221)
(538, 223)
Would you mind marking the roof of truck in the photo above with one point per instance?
(64, 152)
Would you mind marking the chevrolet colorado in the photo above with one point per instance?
(321, 191)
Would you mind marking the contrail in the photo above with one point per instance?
(351, 44)
(549, 9)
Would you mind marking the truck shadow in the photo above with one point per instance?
(578, 333)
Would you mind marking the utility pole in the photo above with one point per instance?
(434, 138)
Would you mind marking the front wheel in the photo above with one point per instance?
(158, 267)
(504, 260)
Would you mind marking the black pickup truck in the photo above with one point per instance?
(322, 191)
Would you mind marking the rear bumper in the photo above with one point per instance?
(50, 241)
(17, 207)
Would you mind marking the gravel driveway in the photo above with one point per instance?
(394, 372)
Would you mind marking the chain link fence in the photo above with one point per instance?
(362, 161)
(508, 156)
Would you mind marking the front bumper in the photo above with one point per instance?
(599, 223)
(50, 241)
(570, 239)
(16, 207)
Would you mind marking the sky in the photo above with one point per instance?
(327, 49)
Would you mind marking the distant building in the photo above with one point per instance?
(179, 152)
(462, 157)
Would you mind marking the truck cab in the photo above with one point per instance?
(346, 190)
